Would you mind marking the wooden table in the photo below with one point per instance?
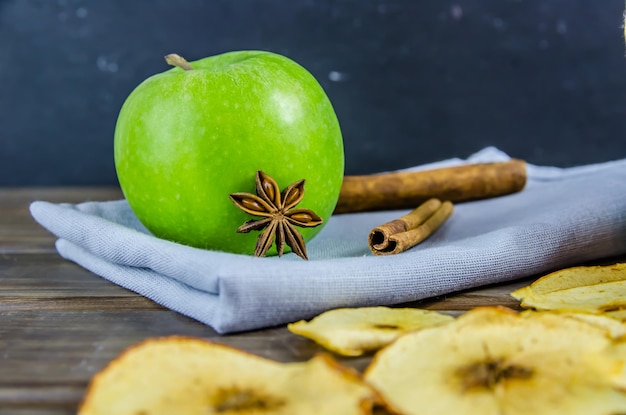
(60, 324)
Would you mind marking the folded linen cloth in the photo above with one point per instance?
(563, 216)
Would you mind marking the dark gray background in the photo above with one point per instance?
(411, 81)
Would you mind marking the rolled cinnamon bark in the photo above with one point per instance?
(379, 236)
(404, 190)
(404, 233)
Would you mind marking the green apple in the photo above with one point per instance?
(187, 138)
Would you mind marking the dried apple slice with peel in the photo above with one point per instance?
(180, 375)
(614, 328)
(355, 331)
(590, 288)
(493, 361)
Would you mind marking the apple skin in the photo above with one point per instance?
(186, 139)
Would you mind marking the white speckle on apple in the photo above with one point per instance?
(288, 106)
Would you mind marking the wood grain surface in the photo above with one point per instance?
(60, 324)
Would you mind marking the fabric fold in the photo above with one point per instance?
(564, 216)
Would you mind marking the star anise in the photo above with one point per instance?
(279, 218)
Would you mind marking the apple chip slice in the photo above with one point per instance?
(590, 288)
(615, 328)
(181, 375)
(355, 331)
(617, 314)
(493, 361)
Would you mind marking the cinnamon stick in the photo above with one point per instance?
(404, 233)
(404, 190)
(379, 236)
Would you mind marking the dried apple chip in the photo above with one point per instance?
(493, 361)
(180, 375)
(617, 314)
(590, 288)
(615, 328)
(355, 331)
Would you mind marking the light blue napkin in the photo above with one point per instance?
(563, 217)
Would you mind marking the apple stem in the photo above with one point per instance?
(177, 60)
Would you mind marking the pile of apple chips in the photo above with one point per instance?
(565, 355)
